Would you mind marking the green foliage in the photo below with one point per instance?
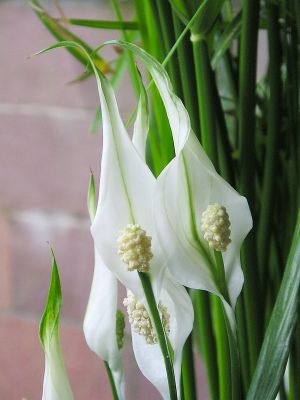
(101, 24)
(223, 43)
(61, 34)
(276, 346)
(50, 318)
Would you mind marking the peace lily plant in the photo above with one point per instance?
(132, 204)
(169, 225)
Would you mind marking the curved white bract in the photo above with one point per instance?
(99, 324)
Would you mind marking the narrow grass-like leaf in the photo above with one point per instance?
(207, 18)
(275, 349)
(231, 32)
(119, 69)
(63, 34)
(130, 61)
(181, 9)
(101, 24)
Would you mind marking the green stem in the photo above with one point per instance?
(242, 337)
(234, 360)
(220, 277)
(188, 372)
(231, 76)
(130, 59)
(207, 342)
(224, 148)
(246, 119)
(185, 58)
(223, 352)
(232, 340)
(111, 381)
(162, 339)
(205, 98)
(274, 120)
(168, 38)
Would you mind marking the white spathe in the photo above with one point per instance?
(127, 189)
(99, 324)
(175, 298)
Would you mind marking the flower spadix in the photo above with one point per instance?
(103, 324)
(56, 384)
(140, 320)
(215, 227)
(135, 248)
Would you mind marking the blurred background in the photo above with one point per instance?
(46, 152)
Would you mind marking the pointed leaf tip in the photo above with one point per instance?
(50, 318)
(91, 198)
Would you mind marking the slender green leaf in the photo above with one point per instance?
(130, 59)
(231, 32)
(100, 24)
(181, 9)
(275, 349)
(50, 318)
(92, 198)
(119, 69)
(63, 34)
(206, 20)
(199, 12)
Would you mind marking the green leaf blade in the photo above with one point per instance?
(231, 32)
(50, 318)
(92, 198)
(63, 34)
(275, 349)
(206, 20)
(102, 24)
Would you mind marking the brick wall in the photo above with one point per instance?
(46, 151)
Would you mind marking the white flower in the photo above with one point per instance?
(127, 189)
(100, 322)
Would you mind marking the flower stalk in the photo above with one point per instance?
(246, 121)
(161, 335)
